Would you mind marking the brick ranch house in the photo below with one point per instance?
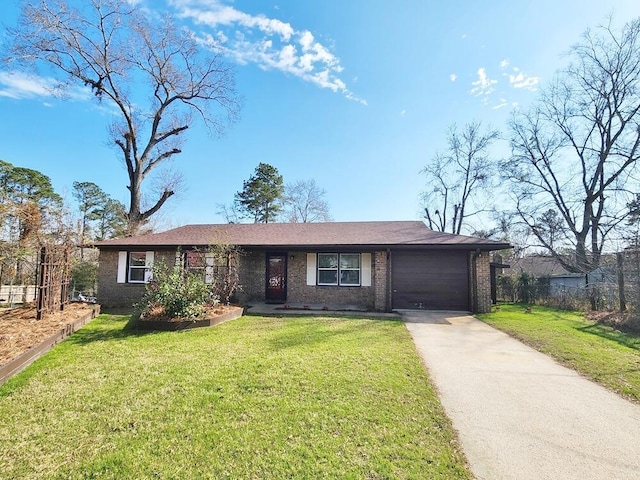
(380, 266)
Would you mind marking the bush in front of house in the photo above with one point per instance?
(176, 294)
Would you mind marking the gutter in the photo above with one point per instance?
(297, 247)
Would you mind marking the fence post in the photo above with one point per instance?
(64, 287)
(620, 264)
(41, 283)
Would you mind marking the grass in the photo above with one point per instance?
(253, 398)
(609, 357)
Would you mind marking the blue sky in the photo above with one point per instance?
(362, 115)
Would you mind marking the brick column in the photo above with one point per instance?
(380, 281)
(483, 283)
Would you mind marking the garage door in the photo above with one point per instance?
(433, 279)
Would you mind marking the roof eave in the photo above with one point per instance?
(369, 246)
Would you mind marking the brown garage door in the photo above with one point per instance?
(431, 279)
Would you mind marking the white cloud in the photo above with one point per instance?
(23, 86)
(501, 104)
(215, 14)
(306, 40)
(453, 77)
(483, 85)
(20, 85)
(267, 42)
(403, 113)
(522, 80)
(287, 57)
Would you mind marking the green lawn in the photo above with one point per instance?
(608, 356)
(253, 398)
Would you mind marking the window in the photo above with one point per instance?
(195, 262)
(134, 267)
(209, 265)
(350, 269)
(339, 269)
(200, 264)
(137, 267)
(327, 269)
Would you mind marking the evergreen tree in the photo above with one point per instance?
(261, 195)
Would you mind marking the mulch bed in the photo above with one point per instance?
(20, 331)
(158, 320)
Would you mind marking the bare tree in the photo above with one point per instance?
(575, 152)
(304, 202)
(455, 177)
(550, 227)
(119, 50)
(229, 212)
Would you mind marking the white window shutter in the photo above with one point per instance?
(209, 261)
(148, 263)
(365, 269)
(311, 268)
(122, 267)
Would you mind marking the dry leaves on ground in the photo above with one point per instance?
(20, 331)
(626, 322)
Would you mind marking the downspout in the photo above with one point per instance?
(389, 299)
(474, 280)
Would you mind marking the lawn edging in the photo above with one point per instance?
(165, 325)
(18, 364)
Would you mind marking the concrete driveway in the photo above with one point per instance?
(519, 414)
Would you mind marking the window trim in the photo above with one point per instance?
(206, 268)
(338, 270)
(325, 269)
(130, 267)
(198, 266)
(359, 270)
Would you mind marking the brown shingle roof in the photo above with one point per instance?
(340, 234)
(538, 266)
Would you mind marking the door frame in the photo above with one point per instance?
(270, 255)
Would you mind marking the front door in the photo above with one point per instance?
(276, 278)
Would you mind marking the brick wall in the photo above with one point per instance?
(113, 294)
(252, 280)
(380, 278)
(483, 279)
(299, 292)
(251, 275)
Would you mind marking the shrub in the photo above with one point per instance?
(176, 294)
(225, 279)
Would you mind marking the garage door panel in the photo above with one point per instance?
(430, 279)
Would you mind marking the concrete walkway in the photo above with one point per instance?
(299, 309)
(519, 414)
